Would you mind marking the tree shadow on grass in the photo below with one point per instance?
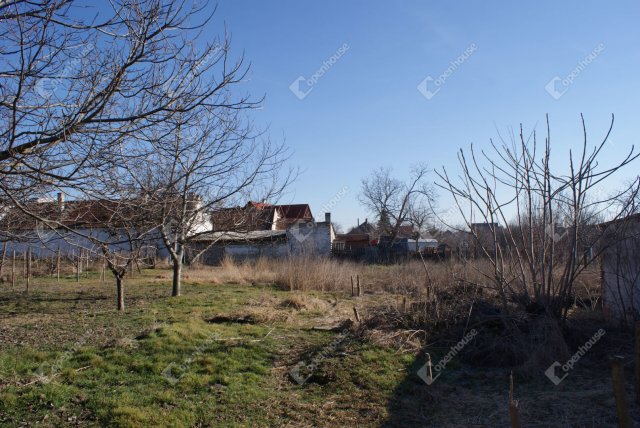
(411, 404)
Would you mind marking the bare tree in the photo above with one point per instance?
(421, 215)
(628, 198)
(106, 225)
(83, 98)
(124, 238)
(198, 163)
(552, 210)
(397, 203)
(73, 84)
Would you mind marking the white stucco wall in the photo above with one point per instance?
(46, 243)
(311, 238)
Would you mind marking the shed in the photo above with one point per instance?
(422, 244)
(620, 269)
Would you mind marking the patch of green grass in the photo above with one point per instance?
(106, 368)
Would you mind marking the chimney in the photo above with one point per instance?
(61, 201)
(327, 218)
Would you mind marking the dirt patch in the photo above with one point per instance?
(251, 315)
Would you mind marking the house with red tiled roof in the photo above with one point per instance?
(286, 216)
(255, 229)
(260, 216)
(260, 229)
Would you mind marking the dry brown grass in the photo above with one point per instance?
(322, 274)
(409, 309)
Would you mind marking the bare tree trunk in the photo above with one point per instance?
(428, 281)
(120, 288)
(177, 275)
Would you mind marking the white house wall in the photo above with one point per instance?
(310, 239)
(47, 243)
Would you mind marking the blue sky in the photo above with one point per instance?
(366, 110)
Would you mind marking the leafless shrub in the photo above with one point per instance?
(537, 257)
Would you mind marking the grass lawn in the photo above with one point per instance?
(220, 356)
(69, 358)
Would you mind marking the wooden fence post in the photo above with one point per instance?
(4, 252)
(619, 392)
(74, 262)
(58, 264)
(513, 406)
(358, 282)
(429, 368)
(355, 312)
(353, 290)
